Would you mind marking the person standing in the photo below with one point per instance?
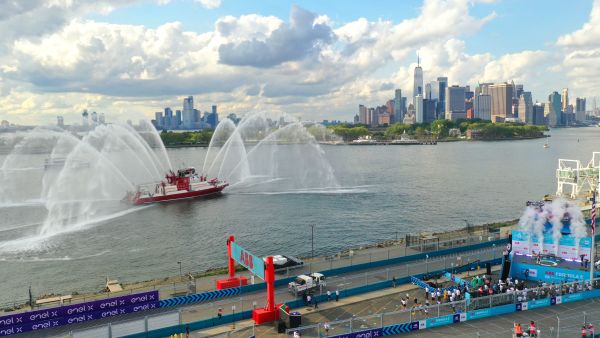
(337, 295)
(328, 295)
(316, 303)
(326, 326)
(308, 299)
(220, 313)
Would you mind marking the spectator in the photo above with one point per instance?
(328, 295)
(337, 295)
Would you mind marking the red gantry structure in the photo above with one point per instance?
(263, 269)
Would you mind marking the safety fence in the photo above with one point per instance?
(423, 317)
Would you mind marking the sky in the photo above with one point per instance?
(313, 59)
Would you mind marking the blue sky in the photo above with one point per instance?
(315, 59)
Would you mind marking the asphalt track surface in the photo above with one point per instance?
(571, 317)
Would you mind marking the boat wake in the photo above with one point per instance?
(322, 191)
(36, 259)
(40, 242)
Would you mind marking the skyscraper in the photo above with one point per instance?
(455, 103)
(398, 111)
(526, 108)
(419, 117)
(482, 106)
(501, 101)
(213, 118)
(417, 81)
(553, 111)
(442, 85)
(168, 119)
(580, 109)
(362, 114)
(177, 119)
(564, 99)
(538, 114)
(158, 120)
(483, 88)
(188, 112)
(427, 92)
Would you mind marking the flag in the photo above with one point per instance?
(594, 213)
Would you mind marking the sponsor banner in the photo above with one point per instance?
(440, 321)
(534, 304)
(547, 273)
(414, 326)
(524, 243)
(81, 308)
(498, 310)
(524, 306)
(362, 334)
(77, 318)
(251, 262)
(558, 300)
(573, 297)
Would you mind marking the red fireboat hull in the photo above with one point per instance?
(179, 196)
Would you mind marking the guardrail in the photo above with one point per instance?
(398, 322)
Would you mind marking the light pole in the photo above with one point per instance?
(233, 313)
(179, 262)
(427, 263)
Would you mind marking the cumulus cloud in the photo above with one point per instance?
(289, 42)
(309, 65)
(210, 4)
(581, 50)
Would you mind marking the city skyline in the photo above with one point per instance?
(316, 61)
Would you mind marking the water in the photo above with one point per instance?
(379, 191)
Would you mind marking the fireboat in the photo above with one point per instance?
(186, 183)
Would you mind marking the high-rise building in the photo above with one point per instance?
(398, 111)
(483, 88)
(213, 118)
(526, 108)
(403, 106)
(371, 116)
(168, 119)
(482, 107)
(94, 117)
(158, 120)
(355, 119)
(427, 92)
(60, 121)
(455, 103)
(417, 81)
(518, 91)
(178, 121)
(502, 94)
(419, 117)
(441, 106)
(101, 118)
(429, 112)
(188, 112)
(552, 111)
(362, 114)
(538, 114)
(435, 90)
(564, 99)
(580, 109)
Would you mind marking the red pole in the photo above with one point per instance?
(231, 265)
(270, 279)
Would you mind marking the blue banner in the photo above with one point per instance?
(77, 318)
(440, 321)
(362, 334)
(75, 309)
(534, 304)
(248, 260)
